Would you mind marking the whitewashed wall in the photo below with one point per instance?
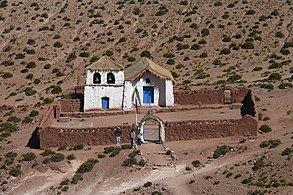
(127, 104)
(119, 77)
(163, 90)
(93, 96)
(169, 93)
(93, 93)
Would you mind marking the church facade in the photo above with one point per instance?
(108, 85)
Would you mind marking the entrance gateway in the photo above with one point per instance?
(152, 128)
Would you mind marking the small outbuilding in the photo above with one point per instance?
(108, 85)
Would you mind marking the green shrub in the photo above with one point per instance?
(62, 147)
(72, 56)
(265, 128)
(47, 66)
(142, 163)
(275, 76)
(114, 153)
(6, 75)
(205, 32)
(78, 147)
(222, 150)
(56, 89)
(57, 44)
(272, 143)
(15, 171)
(87, 166)
(28, 156)
(237, 176)
(29, 91)
(225, 51)
(203, 55)
(193, 26)
(234, 78)
(202, 42)
(7, 126)
(196, 163)
(257, 69)
(279, 34)
(247, 45)
(110, 149)
(146, 54)
(217, 3)
(46, 160)
(126, 147)
(147, 184)
(84, 54)
(258, 164)
(48, 152)
(27, 119)
(65, 182)
(195, 47)
(170, 62)
(29, 77)
(14, 119)
(37, 81)
(286, 151)
(109, 53)
(129, 162)
(64, 188)
(48, 100)
(34, 113)
(70, 157)
(247, 180)
(134, 153)
(250, 12)
(57, 157)
(169, 55)
(100, 155)
(285, 85)
(76, 178)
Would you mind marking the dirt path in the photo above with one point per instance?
(48, 178)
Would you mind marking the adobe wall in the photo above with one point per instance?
(70, 105)
(189, 130)
(174, 131)
(54, 137)
(208, 96)
(49, 116)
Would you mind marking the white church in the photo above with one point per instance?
(108, 85)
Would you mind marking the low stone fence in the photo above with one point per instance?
(174, 131)
(189, 130)
(208, 96)
(54, 137)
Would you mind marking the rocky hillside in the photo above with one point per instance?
(46, 44)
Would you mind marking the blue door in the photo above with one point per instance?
(105, 103)
(148, 95)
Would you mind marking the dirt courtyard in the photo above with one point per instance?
(203, 114)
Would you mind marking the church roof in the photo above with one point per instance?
(143, 65)
(105, 63)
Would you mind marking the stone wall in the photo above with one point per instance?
(54, 137)
(174, 131)
(211, 96)
(70, 105)
(189, 130)
(48, 116)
